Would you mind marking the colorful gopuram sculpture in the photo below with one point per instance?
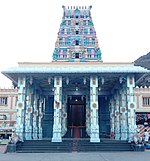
(77, 37)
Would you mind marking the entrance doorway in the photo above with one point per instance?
(76, 117)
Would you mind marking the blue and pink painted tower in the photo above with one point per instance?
(77, 37)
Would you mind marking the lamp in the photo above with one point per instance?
(77, 89)
(49, 80)
(31, 80)
(84, 80)
(67, 80)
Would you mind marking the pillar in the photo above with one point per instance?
(131, 107)
(64, 115)
(32, 107)
(117, 116)
(29, 110)
(94, 137)
(21, 107)
(40, 116)
(88, 123)
(123, 112)
(35, 115)
(57, 109)
(112, 117)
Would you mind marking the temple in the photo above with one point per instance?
(77, 95)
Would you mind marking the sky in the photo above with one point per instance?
(28, 30)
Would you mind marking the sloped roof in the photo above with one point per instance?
(65, 67)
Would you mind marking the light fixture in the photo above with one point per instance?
(102, 80)
(31, 80)
(67, 80)
(77, 89)
(49, 80)
(99, 88)
(76, 100)
(84, 80)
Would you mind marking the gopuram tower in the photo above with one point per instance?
(77, 39)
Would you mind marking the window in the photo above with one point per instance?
(77, 55)
(62, 31)
(77, 23)
(91, 31)
(3, 117)
(3, 100)
(77, 32)
(143, 119)
(77, 42)
(11, 123)
(77, 16)
(146, 101)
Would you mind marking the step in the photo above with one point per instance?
(46, 146)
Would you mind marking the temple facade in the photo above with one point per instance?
(76, 95)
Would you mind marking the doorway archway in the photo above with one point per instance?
(76, 116)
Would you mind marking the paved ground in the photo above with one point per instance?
(112, 156)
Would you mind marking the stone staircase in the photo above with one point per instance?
(44, 146)
(104, 145)
(75, 145)
(72, 145)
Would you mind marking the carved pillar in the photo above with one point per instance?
(29, 110)
(40, 117)
(21, 107)
(32, 105)
(64, 115)
(131, 107)
(94, 137)
(88, 123)
(42, 109)
(35, 115)
(115, 127)
(57, 109)
(38, 103)
(112, 116)
(123, 116)
(117, 117)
